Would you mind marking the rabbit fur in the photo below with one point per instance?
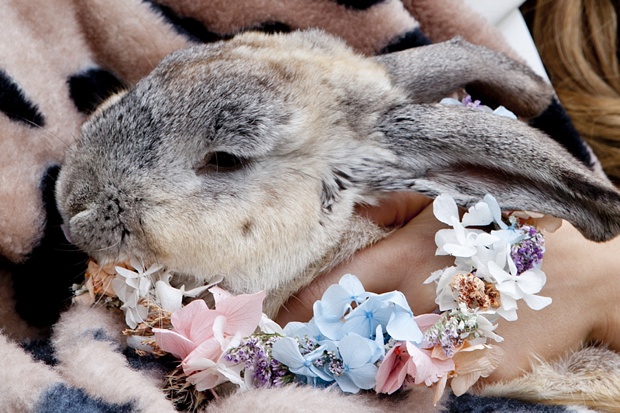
(244, 159)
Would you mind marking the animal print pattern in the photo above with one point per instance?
(59, 60)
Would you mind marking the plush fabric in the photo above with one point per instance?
(59, 59)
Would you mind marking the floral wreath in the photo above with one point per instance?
(356, 340)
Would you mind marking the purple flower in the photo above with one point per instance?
(528, 253)
(255, 353)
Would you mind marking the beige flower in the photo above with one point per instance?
(472, 363)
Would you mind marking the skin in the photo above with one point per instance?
(586, 300)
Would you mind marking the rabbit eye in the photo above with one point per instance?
(220, 162)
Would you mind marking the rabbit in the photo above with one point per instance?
(244, 159)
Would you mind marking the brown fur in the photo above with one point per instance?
(589, 377)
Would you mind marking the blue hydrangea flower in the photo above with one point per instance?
(364, 319)
(309, 329)
(329, 325)
(401, 326)
(390, 311)
(286, 351)
(337, 299)
(357, 370)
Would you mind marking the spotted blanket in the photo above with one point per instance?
(59, 59)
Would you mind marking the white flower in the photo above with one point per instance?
(131, 286)
(488, 255)
(462, 242)
(267, 325)
(170, 298)
(444, 296)
(445, 210)
(459, 241)
(134, 315)
(467, 102)
(483, 213)
(502, 111)
(486, 327)
(515, 287)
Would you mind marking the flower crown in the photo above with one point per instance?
(357, 340)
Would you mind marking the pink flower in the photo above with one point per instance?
(200, 335)
(193, 324)
(393, 369)
(426, 368)
(404, 361)
(201, 365)
(425, 321)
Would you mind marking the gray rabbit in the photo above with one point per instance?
(244, 159)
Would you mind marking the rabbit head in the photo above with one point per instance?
(244, 159)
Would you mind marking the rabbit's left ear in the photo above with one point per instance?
(429, 73)
(468, 153)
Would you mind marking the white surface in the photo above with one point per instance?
(505, 15)
(494, 10)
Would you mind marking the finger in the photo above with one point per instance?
(395, 209)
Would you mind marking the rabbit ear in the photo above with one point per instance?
(468, 153)
(455, 64)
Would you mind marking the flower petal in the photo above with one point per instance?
(531, 281)
(219, 294)
(346, 384)
(445, 209)
(352, 285)
(427, 369)
(355, 350)
(286, 351)
(207, 350)
(336, 301)
(194, 321)
(173, 342)
(495, 210)
(329, 326)
(536, 302)
(207, 379)
(424, 321)
(194, 292)
(478, 215)
(243, 312)
(124, 272)
(364, 376)
(458, 250)
(402, 327)
(392, 370)
(170, 298)
(267, 325)
(498, 274)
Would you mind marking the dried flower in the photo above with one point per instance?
(474, 292)
(260, 368)
(528, 253)
(451, 329)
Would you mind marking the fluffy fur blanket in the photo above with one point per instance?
(59, 60)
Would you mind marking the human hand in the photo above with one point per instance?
(579, 280)
(402, 261)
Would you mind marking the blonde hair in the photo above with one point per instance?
(577, 41)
